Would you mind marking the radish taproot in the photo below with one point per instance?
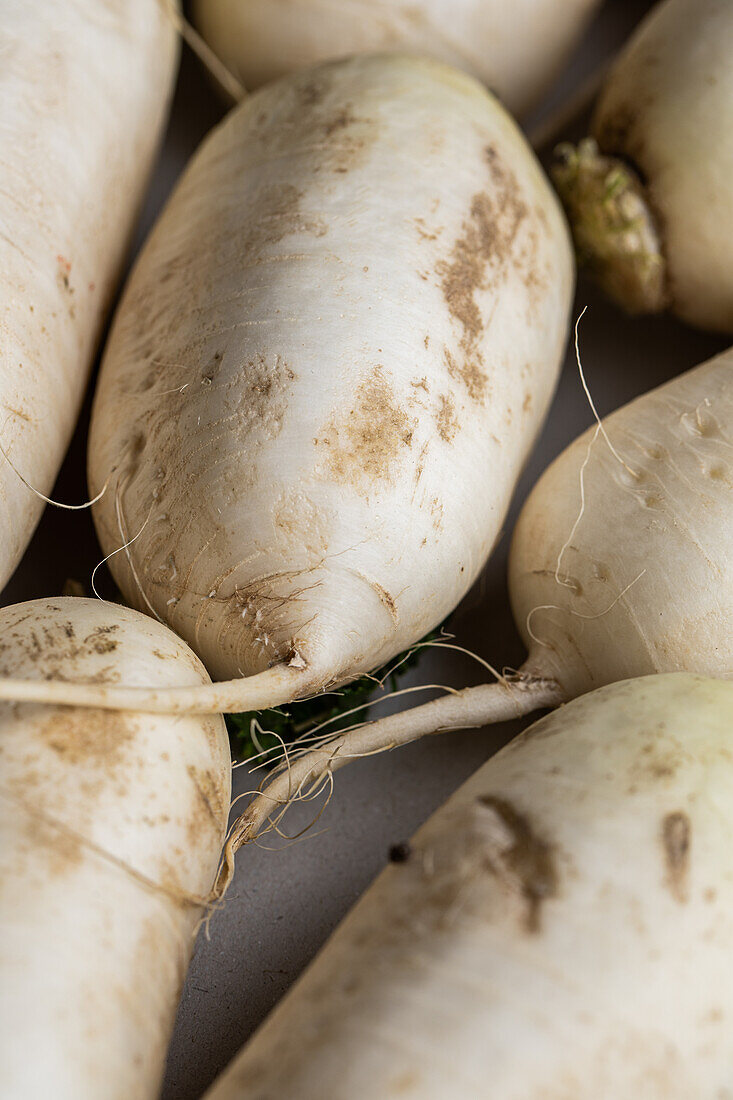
(111, 828)
(516, 50)
(325, 375)
(650, 195)
(83, 95)
(621, 565)
(561, 927)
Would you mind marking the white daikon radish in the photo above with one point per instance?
(560, 928)
(650, 196)
(326, 373)
(621, 565)
(84, 88)
(517, 49)
(111, 828)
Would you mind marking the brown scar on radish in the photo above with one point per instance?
(676, 841)
(259, 396)
(386, 599)
(524, 858)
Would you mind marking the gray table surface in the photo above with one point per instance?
(284, 903)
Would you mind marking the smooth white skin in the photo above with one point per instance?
(668, 106)
(329, 365)
(83, 93)
(110, 827)
(561, 928)
(639, 580)
(516, 49)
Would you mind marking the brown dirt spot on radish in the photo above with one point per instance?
(276, 215)
(436, 513)
(212, 804)
(445, 418)
(363, 447)
(464, 273)
(93, 737)
(480, 256)
(469, 372)
(313, 89)
(56, 649)
(41, 841)
(341, 119)
(523, 858)
(426, 234)
(676, 835)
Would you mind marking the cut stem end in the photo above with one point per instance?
(615, 232)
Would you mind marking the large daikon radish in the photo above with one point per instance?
(326, 373)
(83, 93)
(560, 928)
(111, 828)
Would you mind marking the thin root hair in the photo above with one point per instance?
(48, 500)
(211, 61)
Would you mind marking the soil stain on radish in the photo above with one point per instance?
(364, 447)
(96, 737)
(481, 254)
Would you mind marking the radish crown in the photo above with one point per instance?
(615, 232)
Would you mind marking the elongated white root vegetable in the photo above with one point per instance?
(83, 94)
(650, 196)
(111, 828)
(516, 49)
(561, 927)
(621, 565)
(326, 373)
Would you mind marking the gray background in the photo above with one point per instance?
(284, 903)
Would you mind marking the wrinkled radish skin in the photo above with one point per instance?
(83, 93)
(516, 49)
(110, 828)
(327, 370)
(561, 927)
